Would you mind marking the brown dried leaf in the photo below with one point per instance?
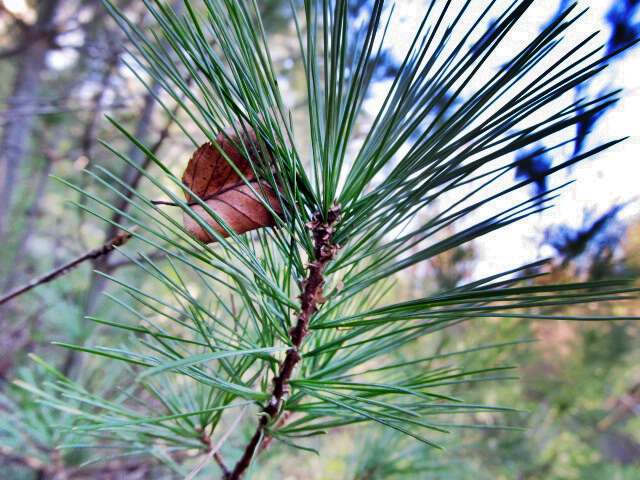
(210, 176)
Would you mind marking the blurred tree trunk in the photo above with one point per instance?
(131, 178)
(14, 145)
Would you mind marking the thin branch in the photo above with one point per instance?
(214, 449)
(225, 470)
(120, 239)
(312, 295)
(18, 339)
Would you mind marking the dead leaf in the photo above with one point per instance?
(210, 176)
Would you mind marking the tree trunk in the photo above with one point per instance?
(98, 283)
(21, 105)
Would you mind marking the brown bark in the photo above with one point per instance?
(310, 299)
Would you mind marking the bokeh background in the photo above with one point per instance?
(575, 386)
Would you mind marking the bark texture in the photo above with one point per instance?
(310, 299)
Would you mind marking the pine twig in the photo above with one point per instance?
(312, 295)
(213, 451)
(218, 458)
(118, 240)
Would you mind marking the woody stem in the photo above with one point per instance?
(324, 251)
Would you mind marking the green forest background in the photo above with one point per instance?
(574, 387)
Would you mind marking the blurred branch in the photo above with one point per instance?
(15, 50)
(18, 339)
(118, 240)
(622, 408)
(97, 104)
(30, 37)
(52, 109)
(132, 177)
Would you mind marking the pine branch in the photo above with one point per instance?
(120, 239)
(117, 239)
(312, 295)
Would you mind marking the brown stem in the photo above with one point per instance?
(206, 440)
(218, 458)
(120, 239)
(267, 441)
(311, 296)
